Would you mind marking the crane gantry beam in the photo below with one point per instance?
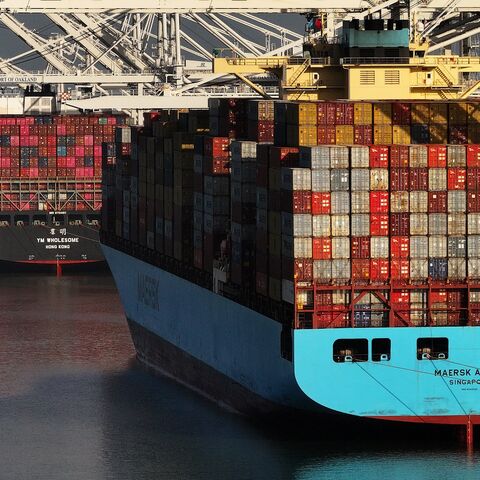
(179, 6)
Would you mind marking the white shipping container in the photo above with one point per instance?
(437, 246)
(304, 297)
(418, 224)
(437, 223)
(317, 157)
(340, 225)
(296, 179)
(418, 202)
(297, 225)
(321, 180)
(321, 225)
(474, 223)
(474, 272)
(475, 294)
(457, 247)
(360, 202)
(457, 201)
(399, 202)
(418, 268)
(456, 224)
(322, 270)
(339, 180)
(244, 151)
(339, 157)
(379, 179)
(360, 155)
(473, 246)
(437, 179)
(340, 202)
(457, 268)
(360, 225)
(340, 297)
(418, 296)
(360, 179)
(340, 247)
(419, 247)
(341, 271)
(456, 156)
(417, 156)
(379, 247)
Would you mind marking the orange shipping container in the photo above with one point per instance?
(344, 134)
(382, 135)
(382, 113)
(401, 135)
(420, 113)
(362, 113)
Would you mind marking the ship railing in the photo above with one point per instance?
(374, 60)
(277, 62)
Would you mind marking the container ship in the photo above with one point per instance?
(320, 255)
(50, 186)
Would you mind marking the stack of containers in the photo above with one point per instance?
(216, 196)
(279, 157)
(183, 151)
(198, 179)
(401, 119)
(457, 123)
(262, 233)
(243, 194)
(228, 117)
(301, 124)
(362, 120)
(261, 116)
(382, 123)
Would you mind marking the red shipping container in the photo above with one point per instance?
(438, 296)
(379, 157)
(283, 156)
(379, 202)
(326, 113)
(303, 269)
(418, 179)
(379, 224)
(326, 135)
(324, 299)
(400, 247)
(401, 113)
(297, 201)
(473, 202)
(399, 156)
(344, 113)
(456, 178)
(399, 224)
(473, 156)
(360, 269)
(322, 248)
(322, 320)
(400, 297)
(473, 179)
(265, 130)
(379, 269)
(321, 203)
(399, 269)
(437, 202)
(399, 179)
(360, 247)
(217, 147)
(437, 156)
(362, 134)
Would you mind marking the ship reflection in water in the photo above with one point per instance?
(74, 404)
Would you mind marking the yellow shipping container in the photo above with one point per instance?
(301, 135)
(382, 113)
(438, 113)
(473, 113)
(438, 133)
(344, 134)
(382, 135)
(362, 113)
(304, 113)
(457, 113)
(474, 133)
(401, 135)
(420, 113)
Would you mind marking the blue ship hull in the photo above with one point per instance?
(233, 355)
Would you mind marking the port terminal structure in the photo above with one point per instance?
(138, 56)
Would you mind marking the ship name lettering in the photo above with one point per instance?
(463, 381)
(63, 240)
(454, 372)
(147, 291)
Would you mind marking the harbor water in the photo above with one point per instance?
(75, 404)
